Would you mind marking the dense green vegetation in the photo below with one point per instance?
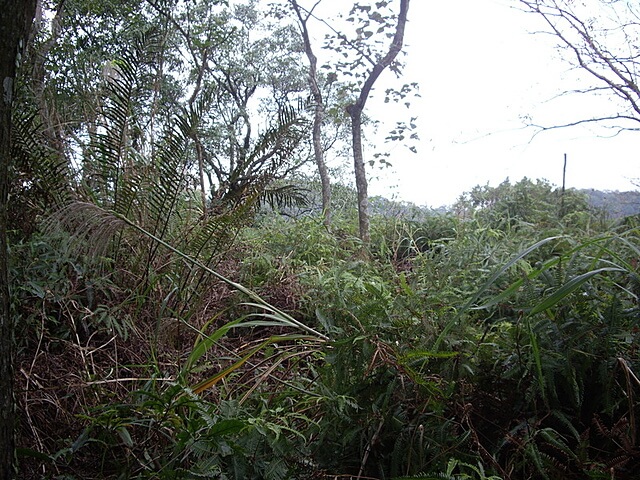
(496, 341)
(184, 308)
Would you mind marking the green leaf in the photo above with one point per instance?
(29, 452)
(568, 288)
(124, 435)
(226, 427)
(418, 355)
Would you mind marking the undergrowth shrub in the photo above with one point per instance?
(167, 432)
(452, 349)
(61, 293)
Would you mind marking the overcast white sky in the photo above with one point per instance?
(480, 70)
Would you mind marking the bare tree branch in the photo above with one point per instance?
(602, 44)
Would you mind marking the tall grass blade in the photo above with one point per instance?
(211, 381)
(568, 288)
(492, 279)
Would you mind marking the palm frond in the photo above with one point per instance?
(111, 173)
(285, 196)
(167, 179)
(86, 220)
(274, 148)
(36, 168)
(92, 228)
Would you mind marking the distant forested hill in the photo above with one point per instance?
(616, 204)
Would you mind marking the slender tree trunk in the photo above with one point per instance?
(15, 22)
(360, 173)
(322, 166)
(198, 144)
(355, 112)
(318, 116)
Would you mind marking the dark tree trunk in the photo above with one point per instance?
(355, 112)
(564, 182)
(15, 22)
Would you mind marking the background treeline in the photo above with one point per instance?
(613, 203)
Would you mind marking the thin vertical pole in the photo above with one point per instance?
(564, 180)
